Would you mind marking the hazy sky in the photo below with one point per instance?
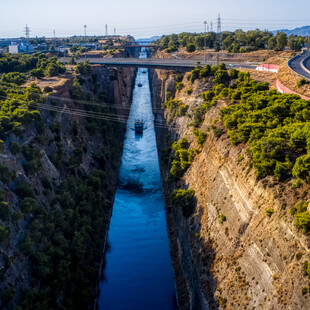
(144, 18)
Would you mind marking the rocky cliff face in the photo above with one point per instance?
(229, 253)
(59, 157)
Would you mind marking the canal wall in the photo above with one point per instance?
(249, 260)
(63, 140)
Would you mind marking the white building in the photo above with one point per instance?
(16, 48)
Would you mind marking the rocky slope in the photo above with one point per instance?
(60, 158)
(229, 253)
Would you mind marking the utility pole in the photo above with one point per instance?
(205, 23)
(106, 30)
(85, 30)
(27, 31)
(211, 26)
(114, 31)
(207, 28)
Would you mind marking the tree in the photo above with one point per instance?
(292, 42)
(272, 43)
(301, 168)
(281, 38)
(37, 73)
(77, 90)
(2, 146)
(190, 48)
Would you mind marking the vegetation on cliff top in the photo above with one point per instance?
(237, 41)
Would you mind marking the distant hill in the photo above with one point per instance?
(152, 39)
(301, 31)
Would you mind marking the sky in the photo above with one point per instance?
(144, 18)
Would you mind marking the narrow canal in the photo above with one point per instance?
(138, 272)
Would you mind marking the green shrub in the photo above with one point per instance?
(301, 82)
(5, 211)
(184, 199)
(4, 233)
(28, 205)
(2, 146)
(298, 256)
(6, 174)
(24, 190)
(14, 77)
(189, 91)
(200, 136)
(269, 212)
(47, 89)
(222, 218)
(179, 86)
(190, 48)
(15, 148)
(302, 216)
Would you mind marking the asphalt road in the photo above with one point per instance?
(296, 65)
(161, 63)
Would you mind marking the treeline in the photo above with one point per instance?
(37, 65)
(234, 42)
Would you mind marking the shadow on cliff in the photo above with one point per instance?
(203, 256)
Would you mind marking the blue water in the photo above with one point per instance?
(138, 272)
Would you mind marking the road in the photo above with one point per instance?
(158, 63)
(301, 65)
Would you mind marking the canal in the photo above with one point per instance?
(138, 272)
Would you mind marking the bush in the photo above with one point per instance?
(47, 89)
(184, 199)
(5, 211)
(189, 91)
(24, 190)
(28, 205)
(4, 233)
(298, 256)
(269, 212)
(222, 218)
(2, 146)
(301, 82)
(6, 174)
(190, 48)
(14, 77)
(302, 216)
(179, 86)
(200, 136)
(15, 148)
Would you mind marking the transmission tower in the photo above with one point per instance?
(27, 31)
(205, 40)
(211, 27)
(106, 29)
(219, 24)
(85, 30)
(114, 31)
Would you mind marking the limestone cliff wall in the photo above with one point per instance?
(116, 84)
(249, 261)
